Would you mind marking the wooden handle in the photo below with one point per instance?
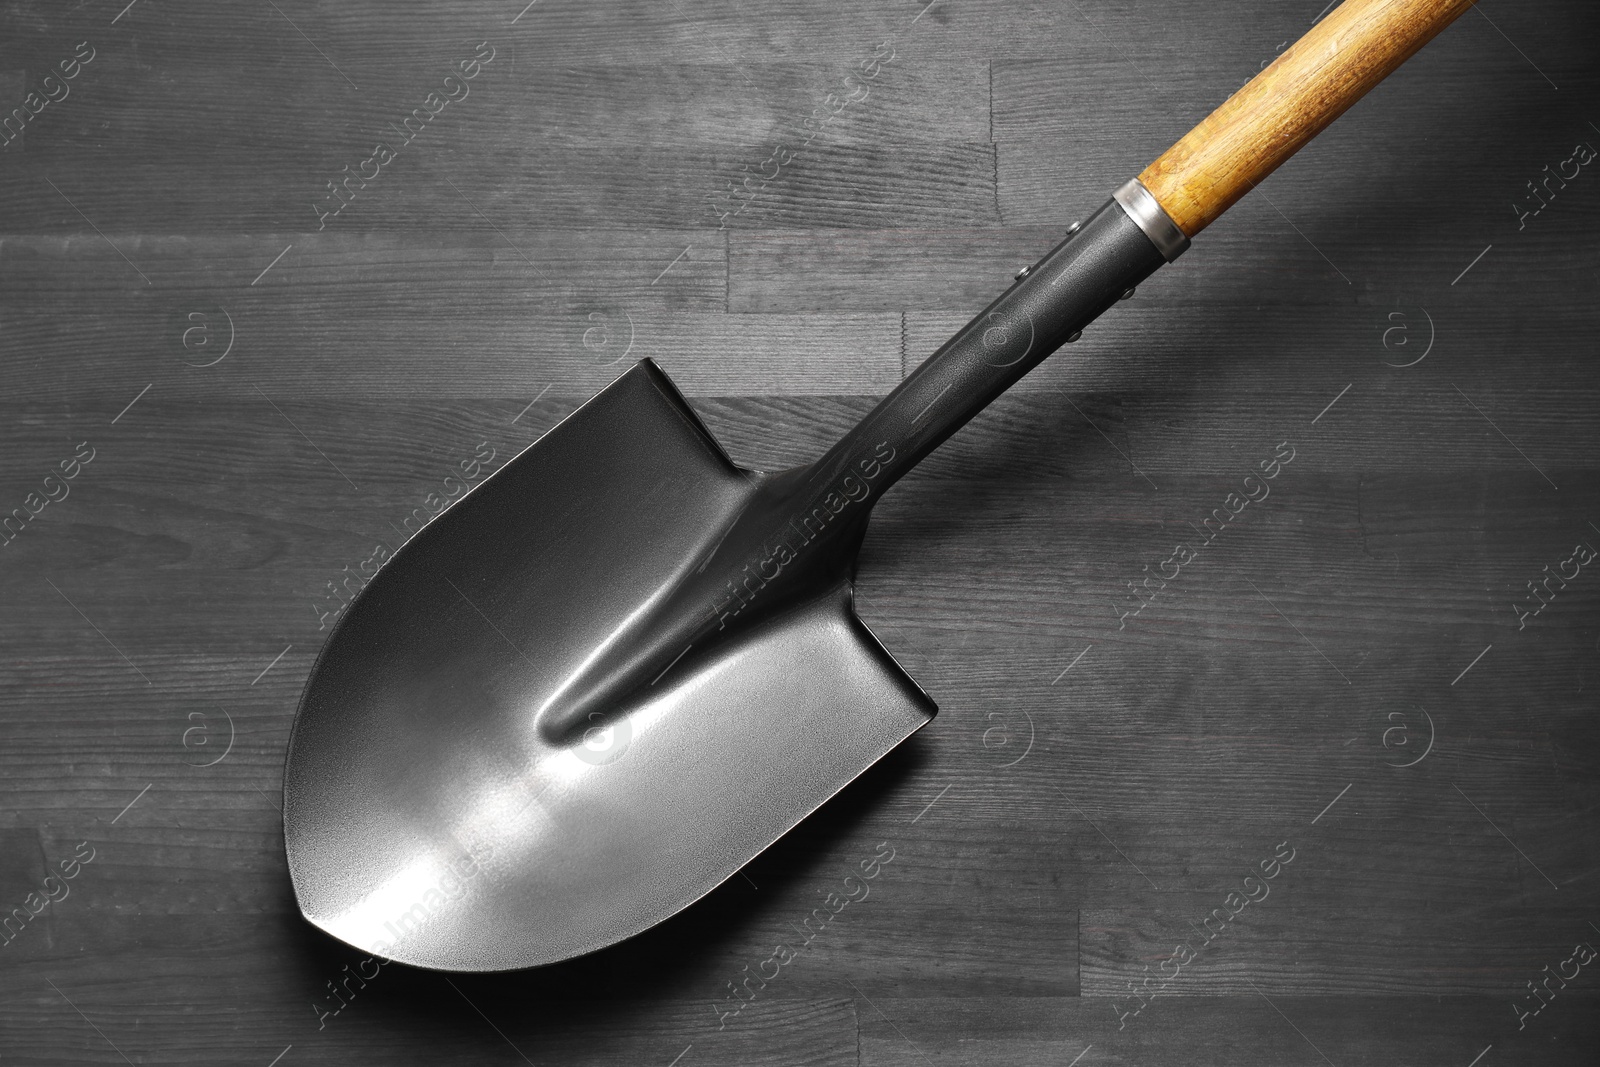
(1290, 102)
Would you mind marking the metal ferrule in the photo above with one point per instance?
(1148, 214)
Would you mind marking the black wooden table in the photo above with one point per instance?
(269, 273)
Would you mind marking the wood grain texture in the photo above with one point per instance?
(1262, 1029)
(1312, 83)
(1092, 783)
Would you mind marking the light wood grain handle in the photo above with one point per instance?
(1354, 48)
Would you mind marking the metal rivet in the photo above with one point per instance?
(1023, 273)
(1129, 294)
(1073, 336)
(1074, 228)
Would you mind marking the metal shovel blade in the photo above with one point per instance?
(440, 811)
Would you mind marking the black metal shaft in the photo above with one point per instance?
(797, 537)
(1080, 278)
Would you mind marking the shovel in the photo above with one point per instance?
(622, 666)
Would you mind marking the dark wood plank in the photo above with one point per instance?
(1213, 1030)
(1097, 778)
(570, 316)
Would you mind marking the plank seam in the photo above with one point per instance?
(902, 345)
(991, 101)
(994, 155)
